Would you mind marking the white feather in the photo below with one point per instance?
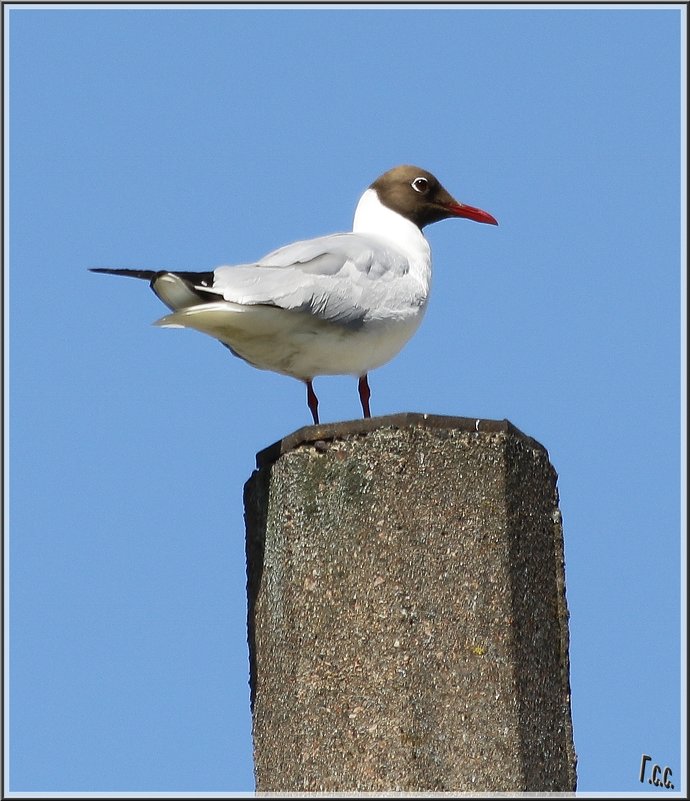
(339, 304)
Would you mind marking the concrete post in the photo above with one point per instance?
(408, 627)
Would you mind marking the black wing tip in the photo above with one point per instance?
(194, 281)
(147, 275)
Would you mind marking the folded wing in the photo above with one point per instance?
(345, 278)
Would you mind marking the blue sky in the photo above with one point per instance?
(186, 139)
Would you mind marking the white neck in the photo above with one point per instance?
(372, 217)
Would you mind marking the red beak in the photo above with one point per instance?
(461, 210)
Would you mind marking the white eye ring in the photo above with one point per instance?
(420, 185)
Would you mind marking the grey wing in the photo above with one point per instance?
(342, 278)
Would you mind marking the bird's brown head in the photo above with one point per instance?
(419, 196)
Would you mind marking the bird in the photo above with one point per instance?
(341, 304)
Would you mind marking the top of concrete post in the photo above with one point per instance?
(331, 431)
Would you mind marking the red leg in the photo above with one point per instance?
(364, 394)
(312, 402)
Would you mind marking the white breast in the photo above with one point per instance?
(372, 217)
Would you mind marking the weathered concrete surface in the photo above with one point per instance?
(407, 615)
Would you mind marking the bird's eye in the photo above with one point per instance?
(420, 185)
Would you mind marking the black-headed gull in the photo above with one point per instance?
(342, 304)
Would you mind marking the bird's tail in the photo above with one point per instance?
(177, 290)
